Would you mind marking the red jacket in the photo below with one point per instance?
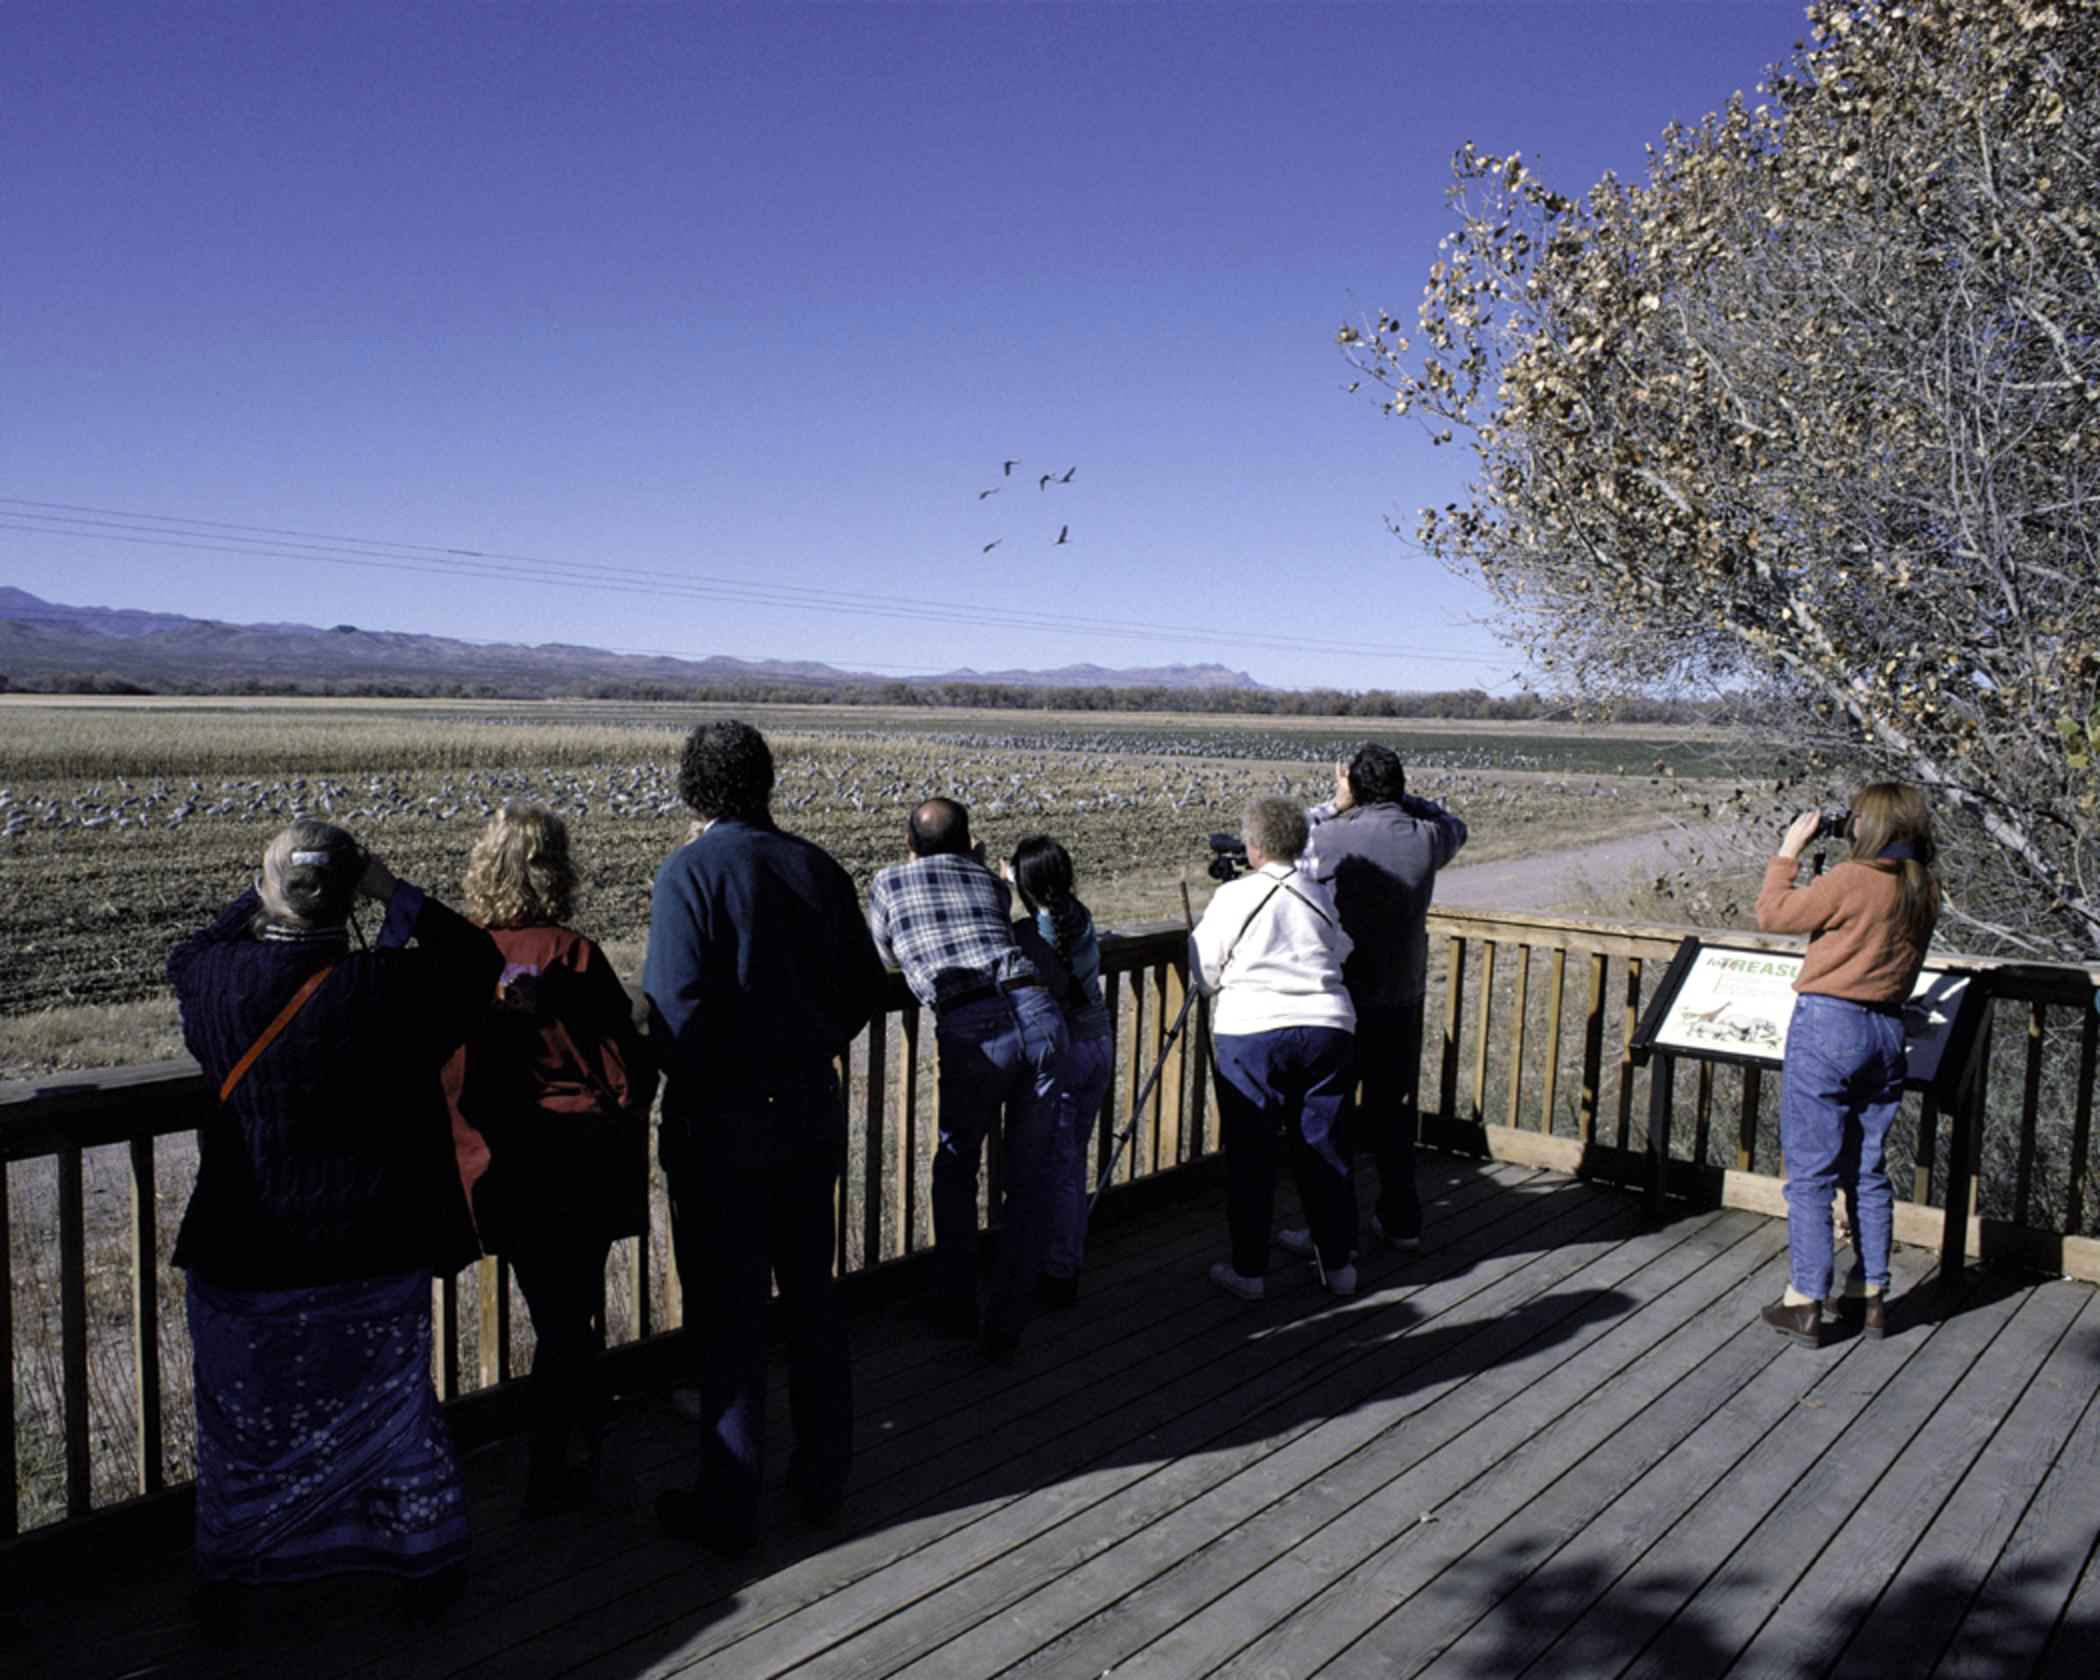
(557, 1066)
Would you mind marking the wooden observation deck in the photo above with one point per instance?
(1555, 1441)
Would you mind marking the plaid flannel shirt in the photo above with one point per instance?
(943, 921)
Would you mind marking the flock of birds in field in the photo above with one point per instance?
(812, 787)
(1043, 482)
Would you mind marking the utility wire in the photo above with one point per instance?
(84, 522)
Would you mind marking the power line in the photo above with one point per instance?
(93, 523)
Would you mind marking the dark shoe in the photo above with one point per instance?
(427, 1599)
(690, 1515)
(1056, 1293)
(1803, 1323)
(1874, 1317)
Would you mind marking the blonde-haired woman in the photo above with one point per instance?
(550, 1114)
(1868, 921)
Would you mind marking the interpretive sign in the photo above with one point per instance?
(1732, 1003)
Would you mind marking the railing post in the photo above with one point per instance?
(10, 1514)
(1592, 1054)
(72, 1315)
(2030, 1105)
(1484, 1033)
(1454, 1004)
(445, 1356)
(1516, 1044)
(145, 1314)
(1633, 1019)
(1173, 980)
(908, 1124)
(1746, 1123)
(1549, 1097)
(872, 1176)
(2082, 1120)
(487, 1357)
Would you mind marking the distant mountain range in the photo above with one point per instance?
(43, 639)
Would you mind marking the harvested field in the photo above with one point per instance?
(124, 827)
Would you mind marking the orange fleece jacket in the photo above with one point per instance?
(1856, 947)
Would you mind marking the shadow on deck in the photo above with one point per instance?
(1556, 1440)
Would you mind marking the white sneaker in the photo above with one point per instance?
(1339, 1280)
(1236, 1283)
(1297, 1240)
(1379, 1234)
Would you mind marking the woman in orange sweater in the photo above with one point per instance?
(1868, 922)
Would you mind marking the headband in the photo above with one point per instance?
(315, 858)
(1898, 851)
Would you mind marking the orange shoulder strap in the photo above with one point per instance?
(269, 1033)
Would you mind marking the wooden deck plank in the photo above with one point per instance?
(1192, 1502)
(1142, 1589)
(1227, 1356)
(880, 1529)
(1624, 1471)
(1307, 1606)
(1819, 1498)
(1865, 1557)
(2010, 1619)
(1914, 1623)
(1654, 1585)
(1435, 1588)
(1516, 1610)
(2071, 1645)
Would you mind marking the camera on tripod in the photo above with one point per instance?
(1228, 857)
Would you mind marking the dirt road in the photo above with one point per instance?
(1568, 879)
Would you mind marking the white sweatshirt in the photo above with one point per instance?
(1282, 967)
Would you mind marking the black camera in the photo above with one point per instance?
(1228, 857)
(1833, 825)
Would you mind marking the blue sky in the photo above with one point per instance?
(726, 314)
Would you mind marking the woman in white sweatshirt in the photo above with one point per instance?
(1269, 951)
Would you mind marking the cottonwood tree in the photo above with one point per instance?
(1815, 406)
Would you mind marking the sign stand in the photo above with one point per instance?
(1732, 1004)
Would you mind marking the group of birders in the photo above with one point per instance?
(386, 1110)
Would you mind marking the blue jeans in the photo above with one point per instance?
(1843, 1079)
(1294, 1081)
(1082, 1084)
(998, 1055)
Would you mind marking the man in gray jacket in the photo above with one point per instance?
(1379, 848)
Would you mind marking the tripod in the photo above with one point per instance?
(1137, 1106)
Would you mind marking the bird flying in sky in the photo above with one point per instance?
(994, 543)
(1063, 531)
(993, 491)
(1006, 468)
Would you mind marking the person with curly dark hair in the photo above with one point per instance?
(726, 772)
(759, 974)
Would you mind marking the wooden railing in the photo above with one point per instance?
(91, 1315)
(1527, 1058)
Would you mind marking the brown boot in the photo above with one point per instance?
(1874, 1322)
(1803, 1323)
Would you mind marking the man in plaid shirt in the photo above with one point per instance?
(942, 918)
